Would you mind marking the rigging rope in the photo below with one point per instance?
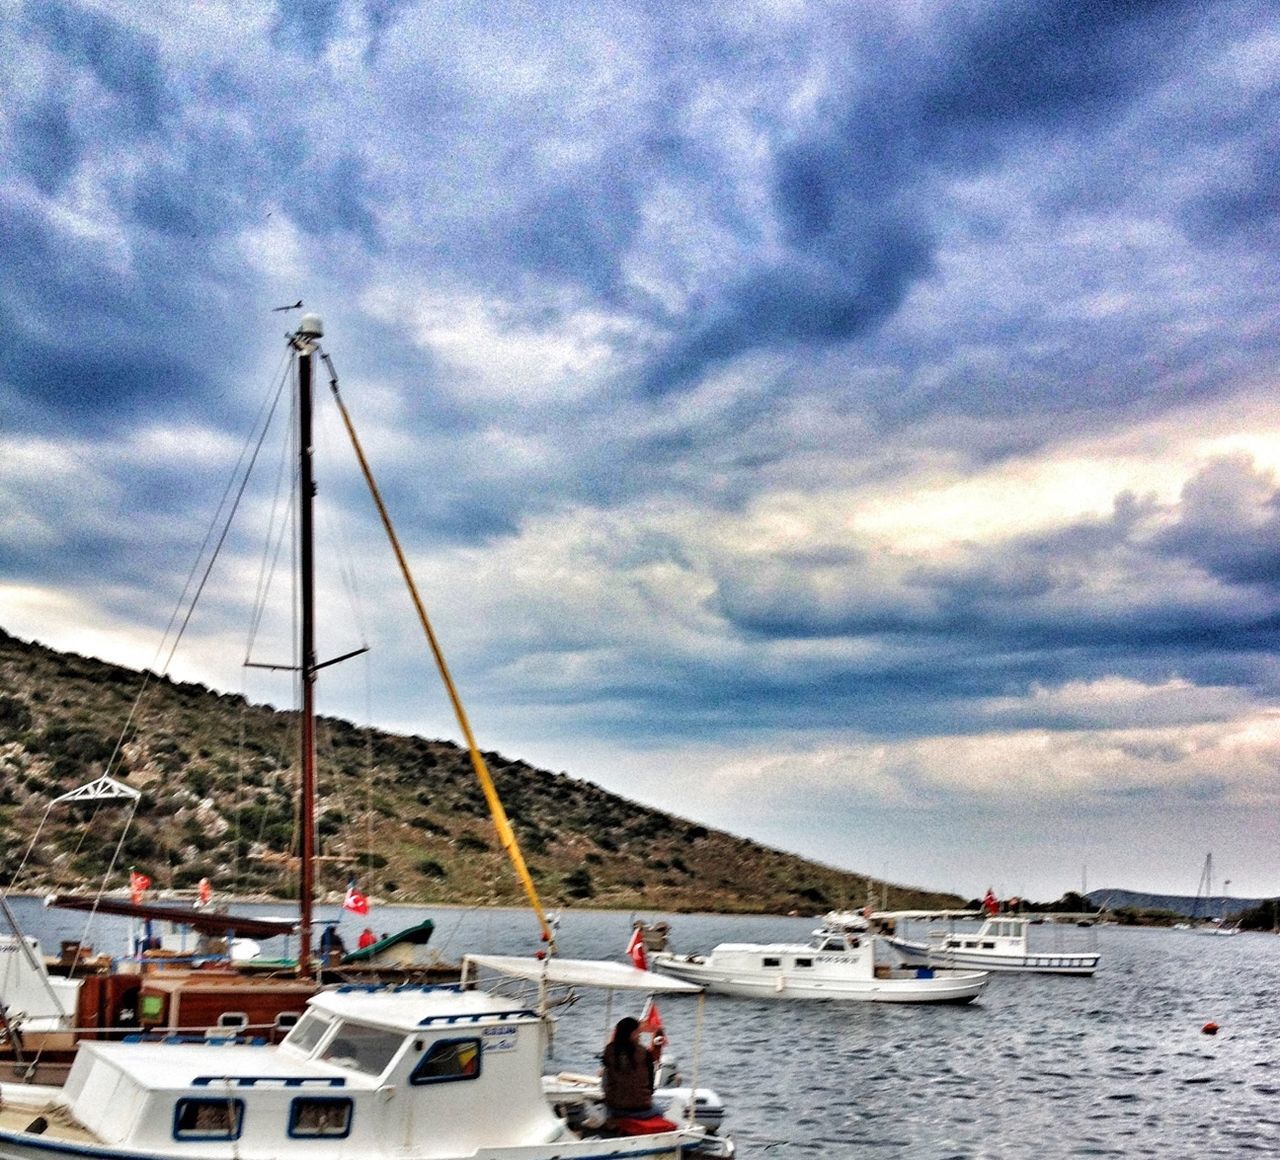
(158, 670)
(506, 835)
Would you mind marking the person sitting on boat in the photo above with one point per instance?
(628, 1074)
(332, 948)
(367, 939)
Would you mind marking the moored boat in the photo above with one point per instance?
(167, 987)
(411, 1073)
(834, 964)
(1000, 944)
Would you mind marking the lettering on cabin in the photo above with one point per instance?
(500, 1038)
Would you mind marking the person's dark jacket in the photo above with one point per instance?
(628, 1081)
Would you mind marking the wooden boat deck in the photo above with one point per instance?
(18, 1116)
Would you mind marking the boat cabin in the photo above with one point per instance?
(47, 1001)
(421, 1071)
(827, 952)
(1003, 935)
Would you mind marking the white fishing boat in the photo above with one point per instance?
(1000, 944)
(427, 1073)
(834, 964)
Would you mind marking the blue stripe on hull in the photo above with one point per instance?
(13, 1145)
(1049, 963)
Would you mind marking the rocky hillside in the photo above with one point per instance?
(404, 814)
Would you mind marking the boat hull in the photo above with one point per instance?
(1042, 963)
(887, 986)
(54, 1145)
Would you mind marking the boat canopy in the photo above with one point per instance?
(208, 921)
(580, 973)
(881, 915)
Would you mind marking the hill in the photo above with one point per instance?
(403, 813)
(1186, 905)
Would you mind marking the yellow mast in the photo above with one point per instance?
(505, 833)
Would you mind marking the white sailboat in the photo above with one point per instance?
(406, 1073)
(1207, 923)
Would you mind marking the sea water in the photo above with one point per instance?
(1040, 1066)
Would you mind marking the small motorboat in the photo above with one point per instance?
(834, 964)
(1000, 944)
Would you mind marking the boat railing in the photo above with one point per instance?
(132, 1033)
(331, 1081)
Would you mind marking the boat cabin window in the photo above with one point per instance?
(804, 962)
(233, 1021)
(314, 1117)
(153, 1008)
(771, 961)
(208, 1119)
(447, 1060)
(367, 1049)
(832, 943)
(306, 1033)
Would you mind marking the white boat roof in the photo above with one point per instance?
(909, 914)
(580, 973)
(408, 1008)
(790, 948)
(161, 1067)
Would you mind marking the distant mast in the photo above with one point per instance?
(310, 329)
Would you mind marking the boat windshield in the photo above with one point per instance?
(306, 1033)
(367, 1049)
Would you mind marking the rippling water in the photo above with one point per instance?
(1040, 1066)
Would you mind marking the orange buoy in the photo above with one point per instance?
(1210, 1028)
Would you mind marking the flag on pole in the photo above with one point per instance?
(138, 885)
(650, 1020)
(635, 950)
(355, 902)
(989, 903)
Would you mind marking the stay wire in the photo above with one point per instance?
(271, 559)
(186, 588)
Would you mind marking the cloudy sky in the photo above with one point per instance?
(853, 425)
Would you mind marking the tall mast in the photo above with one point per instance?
(310, 329)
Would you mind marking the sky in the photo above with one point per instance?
(851, 425)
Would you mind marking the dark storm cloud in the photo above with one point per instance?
(1243, 207)
(142, 285)
(46, 146)
(580, 235)
(1101, 597)
(855, 194)
(1229, 526)
(124, 62)
(485, 168)
(305, 25)
(807, 299)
